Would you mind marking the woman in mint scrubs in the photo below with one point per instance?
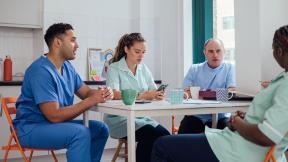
(249, 135)
(126, 71)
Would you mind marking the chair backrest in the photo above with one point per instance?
(8, 109)
(8, 105)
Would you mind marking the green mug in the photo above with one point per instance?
(129, 96)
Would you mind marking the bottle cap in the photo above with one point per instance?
(8, 57)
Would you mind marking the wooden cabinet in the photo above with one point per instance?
(19, 13)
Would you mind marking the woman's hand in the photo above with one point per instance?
(265, 84)
(160, 95)
(239, 115)
(151, 95)
(232, 122)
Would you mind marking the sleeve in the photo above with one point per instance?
(150, 79)
(231, 78)
(275, 123)
(113, 80)
(188, 78)
(43, 87)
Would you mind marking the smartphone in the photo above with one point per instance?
(142, 101)
(162, 87)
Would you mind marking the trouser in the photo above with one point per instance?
(82, 143)
(192, 124)
(145, 138)
(183, 148)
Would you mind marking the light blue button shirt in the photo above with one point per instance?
(269, 111)
(120, 77)
(201, 75)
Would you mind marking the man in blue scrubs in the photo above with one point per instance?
(211, 74)
(45, 109)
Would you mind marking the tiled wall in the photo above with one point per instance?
(100, 24)
(19, 44)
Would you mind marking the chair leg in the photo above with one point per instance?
(126, 151)
(116, 154)
(24, 156)
(31, 155)
(6, 156)
(54, 156)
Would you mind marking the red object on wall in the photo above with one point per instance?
(8, 69)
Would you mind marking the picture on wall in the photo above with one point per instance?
(98, 63)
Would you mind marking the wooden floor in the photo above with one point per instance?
(107, 156)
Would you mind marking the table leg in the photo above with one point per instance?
(86, 118)
(214, 120)
(131, 137)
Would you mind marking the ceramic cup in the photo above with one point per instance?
(195, 92)
(222, 94)
(175, 96)
(129, 96)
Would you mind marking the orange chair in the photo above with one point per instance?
(11, 110)
(174, 129)
(118, 149)
(270, 155)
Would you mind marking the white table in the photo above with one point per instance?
(159, 108)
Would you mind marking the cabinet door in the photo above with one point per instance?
(19, 13)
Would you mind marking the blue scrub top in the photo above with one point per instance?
(43, 83)
(201, 75)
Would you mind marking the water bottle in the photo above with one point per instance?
(8, 68)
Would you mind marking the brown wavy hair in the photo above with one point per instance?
(128, 41)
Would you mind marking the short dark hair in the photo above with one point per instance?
(54, 31)
(280, 39)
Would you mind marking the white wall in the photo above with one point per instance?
(254, 28)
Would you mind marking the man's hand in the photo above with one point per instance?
(100, 95)
(107, 93)
(187, 90)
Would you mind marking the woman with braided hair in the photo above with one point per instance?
(249, 136)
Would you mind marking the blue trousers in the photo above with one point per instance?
(183, 148)
(82, 143)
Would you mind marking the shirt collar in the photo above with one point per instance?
(213, 69)
(123, 65)
(281, 75)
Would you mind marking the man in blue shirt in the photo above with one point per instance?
(45, 107)
(211, 74)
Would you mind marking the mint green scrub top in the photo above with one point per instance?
(269, 110)
(120, 77)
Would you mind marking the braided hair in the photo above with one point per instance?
(280, 39)
(128, 41)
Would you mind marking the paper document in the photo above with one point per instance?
(190, 101)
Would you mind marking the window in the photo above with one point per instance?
(228, 22)
(223, 26)
(213, 18)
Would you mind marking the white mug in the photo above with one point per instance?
(194, 92)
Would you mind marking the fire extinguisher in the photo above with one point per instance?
(8, 68)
